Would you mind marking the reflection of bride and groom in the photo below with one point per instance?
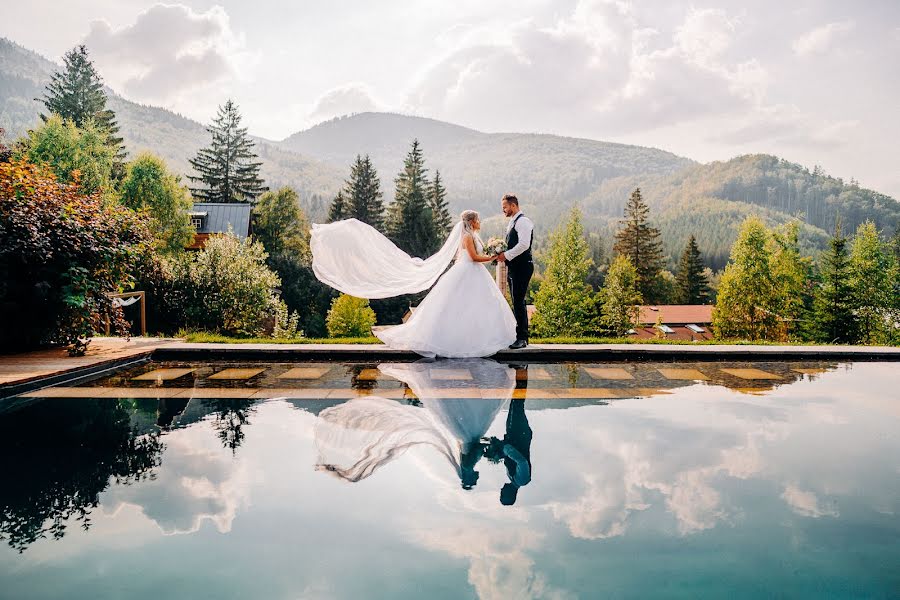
(356, 438)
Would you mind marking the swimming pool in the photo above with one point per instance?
(455, 479)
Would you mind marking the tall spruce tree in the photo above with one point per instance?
(76, 94)
(363, 194)
(834, 302)
(870, 279)
(410, 223)
(440, 211)
(641, 244)
(692, 285)
(228, 170)
(338, 211)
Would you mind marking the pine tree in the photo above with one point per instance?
(692, 285)
(77, 94)
(641, 244)
(834, 303)
(338, 211)
(748, 297)
(228, 169)
(870, 281)
(363, 194)
(792, 273)
(410, 223)
(620, 298)
(565, 305)
(437, 200)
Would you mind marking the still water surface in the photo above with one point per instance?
(456, 479)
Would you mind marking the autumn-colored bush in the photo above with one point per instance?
(61, 253)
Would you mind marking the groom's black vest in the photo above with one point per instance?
(512, 238)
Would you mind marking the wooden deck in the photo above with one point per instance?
(22, 368)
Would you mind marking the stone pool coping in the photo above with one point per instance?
(25, 372)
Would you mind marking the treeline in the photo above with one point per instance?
(770, 290)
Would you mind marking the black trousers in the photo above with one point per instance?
(519, 275)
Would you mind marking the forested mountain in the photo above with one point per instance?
(23, 75)
(549, 173)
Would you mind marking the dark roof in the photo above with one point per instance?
(219, 215)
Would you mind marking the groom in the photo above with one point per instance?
(520, 266)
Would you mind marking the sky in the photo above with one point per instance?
(814, 81)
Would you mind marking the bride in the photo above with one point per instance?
(463, 316)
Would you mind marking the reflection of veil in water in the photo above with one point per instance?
(357, 437)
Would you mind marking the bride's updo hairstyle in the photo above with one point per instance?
(468, 218)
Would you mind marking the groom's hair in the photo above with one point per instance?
(511, 199)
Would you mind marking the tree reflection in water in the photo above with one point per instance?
(230, 418)
(58, 456)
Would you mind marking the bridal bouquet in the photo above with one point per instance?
(495, 246)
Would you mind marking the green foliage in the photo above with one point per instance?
(835, 319)
(62, 252)
(641, 244)
(363, 195)
(748, 297)
(410, 222)
(350, 317)
(149, 185)
(225, 287)
(440, 211)
(565, 304)
(76, 94)
(793, 274)
(228, 170)
(338, 210)
(620, 298)
(287, 324)
(75, 154)
(692, 285)
(871, 272)
(280, 225)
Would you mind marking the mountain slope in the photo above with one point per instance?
(24, 74)
(545, 171)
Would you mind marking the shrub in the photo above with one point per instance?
(350, 317)
(225, 287)
(62, 252)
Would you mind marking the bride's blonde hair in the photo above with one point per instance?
(468, 218)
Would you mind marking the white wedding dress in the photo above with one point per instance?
(463, 316)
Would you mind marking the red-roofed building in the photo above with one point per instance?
(676, 321)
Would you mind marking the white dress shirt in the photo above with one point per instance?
(524, 227)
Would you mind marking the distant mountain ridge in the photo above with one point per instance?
(549, 173)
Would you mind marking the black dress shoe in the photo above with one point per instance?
(518, 345)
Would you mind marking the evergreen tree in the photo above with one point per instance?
(692, 285)
(872, 288)
(641, 244)
(338, 211)
(77, 94)
(620, 298)
(565, 305)
(792, 273)
(363, 194)
(410, 223)
(437, 200)
(597, 274)
(748, 297)
(834, 303)
(228, 168)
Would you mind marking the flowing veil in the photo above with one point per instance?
(356, 259)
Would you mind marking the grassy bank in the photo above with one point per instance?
(206, 337)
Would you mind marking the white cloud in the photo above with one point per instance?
(344, 100)
(168, 51)
(806, 503)
(820, 39)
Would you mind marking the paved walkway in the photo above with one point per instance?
(29, 366)
(18, 369)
